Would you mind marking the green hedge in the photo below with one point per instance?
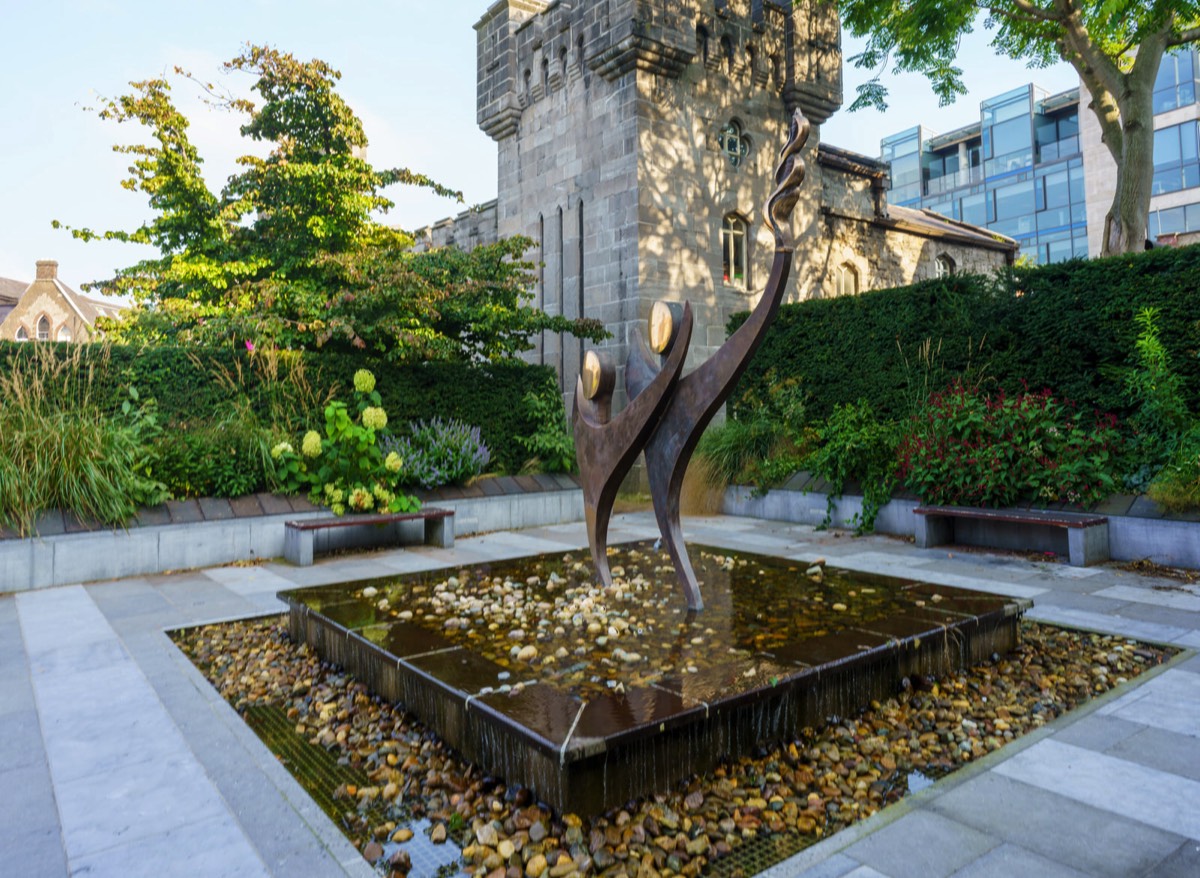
(186, 386)
(1067, 326)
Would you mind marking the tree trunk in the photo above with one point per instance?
(1127, 217)
(1126, 220)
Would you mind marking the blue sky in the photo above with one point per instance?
(408, 69)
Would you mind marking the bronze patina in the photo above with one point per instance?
(667, 414)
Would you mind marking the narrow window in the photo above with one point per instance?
(528, 86)
(64, 333)
(541, 284)
(545, 76)
(733, 252)
(943, 266)
(562, 62)
(733, 143)
(562, 311)
(579, 52)
(580, 289)
(727, 53)
(847, 280)
(43, 329)
(22, 334)
(750, 59)
(702, 39)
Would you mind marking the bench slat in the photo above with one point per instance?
(1016, 516)
(355, 520)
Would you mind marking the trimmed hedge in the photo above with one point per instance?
(1066, 326)
(185, 386)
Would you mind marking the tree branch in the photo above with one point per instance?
(1093, 64)
(1028, 12)
(1191, 35)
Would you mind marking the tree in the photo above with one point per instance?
(1115, 45)
(290, 253)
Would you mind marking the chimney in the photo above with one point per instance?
(47, 269)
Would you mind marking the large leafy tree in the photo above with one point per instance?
(1116, 45)
(290, 251)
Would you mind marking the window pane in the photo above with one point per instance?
(1166, 146)
(1187, 141)
(974, 210)
(1058, 189)
(1010, 137)
(1076, 184)
(1013, 201)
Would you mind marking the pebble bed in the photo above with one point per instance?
(805, 789)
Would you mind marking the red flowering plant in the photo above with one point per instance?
(967, 448)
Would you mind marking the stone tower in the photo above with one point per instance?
(630, 130)
(636, 143)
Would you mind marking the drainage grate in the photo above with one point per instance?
(758, 854)
(316, 769)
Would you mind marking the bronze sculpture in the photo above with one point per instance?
(667, 414)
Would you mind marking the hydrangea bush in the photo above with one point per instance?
(440, 452)
(345, 469)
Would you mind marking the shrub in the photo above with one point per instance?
(1068, 326)
(60, 449)
(855, 446)
(551, 443)
(1160, 417)
(223, 459)
(1177, 485)
(969, 449)
(438, 452)
(288, 390)
(345, 468)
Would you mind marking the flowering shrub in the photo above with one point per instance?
(438, 452)
(364, 381)
(969, 449)
(345, 468)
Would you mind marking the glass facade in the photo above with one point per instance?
(1019, 170)
(1176, 84)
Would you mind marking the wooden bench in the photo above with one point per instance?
(299, 536)
(1087, 535)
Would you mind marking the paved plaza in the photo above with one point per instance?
(118, 759)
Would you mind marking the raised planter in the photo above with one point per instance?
(1137, 528)
(182, 535)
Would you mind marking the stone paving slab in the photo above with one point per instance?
(1033, 818)
(1093, 778)
(935, 846)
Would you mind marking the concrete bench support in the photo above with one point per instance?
(1086, 535)
(300, 537)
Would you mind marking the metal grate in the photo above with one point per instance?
(758, 854)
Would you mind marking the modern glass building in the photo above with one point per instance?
(1021, 171)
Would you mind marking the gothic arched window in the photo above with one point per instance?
(733, 252)
(847, 279)
(43, 328)
(733, 143)
(22, 334)
(943, 266)
(64, 333)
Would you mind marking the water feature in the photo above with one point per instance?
(593, 695)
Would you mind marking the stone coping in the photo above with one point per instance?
(56, 522)
(1124, 505)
